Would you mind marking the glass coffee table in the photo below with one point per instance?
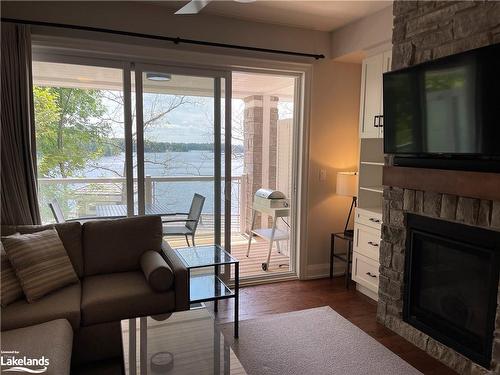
(185, 343)
(208, 286)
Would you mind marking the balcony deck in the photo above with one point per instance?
(250, 266)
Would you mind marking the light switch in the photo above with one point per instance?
(322, 174)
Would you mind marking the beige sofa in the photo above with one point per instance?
(106, 257)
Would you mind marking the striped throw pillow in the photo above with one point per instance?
(40, 262)
(11, 289)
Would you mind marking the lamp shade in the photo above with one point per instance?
(347, 183)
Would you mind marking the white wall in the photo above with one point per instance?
(154, 19)
(333, 147)
(351, 41)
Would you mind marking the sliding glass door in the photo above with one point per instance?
(81, 127)
(117, 139)
(180, 152)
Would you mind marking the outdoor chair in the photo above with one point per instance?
(190, 223)
(57, 211)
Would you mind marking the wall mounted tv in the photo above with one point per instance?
(445, 113)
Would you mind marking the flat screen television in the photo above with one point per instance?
(445, 110)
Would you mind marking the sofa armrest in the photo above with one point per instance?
(181, 281)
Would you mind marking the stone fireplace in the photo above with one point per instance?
(424, 30)
(451, 284)
(399, 203)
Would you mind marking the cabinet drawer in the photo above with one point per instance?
(369, 218)
(367, 241)
(365, 271)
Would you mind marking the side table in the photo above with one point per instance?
(347, 258)
(205, 287)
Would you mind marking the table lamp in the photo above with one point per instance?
(347, 185)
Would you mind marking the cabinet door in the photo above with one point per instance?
(365, 271)
(387, 61)
(367, 241)
(372, 91)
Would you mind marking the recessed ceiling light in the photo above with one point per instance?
(158, 76)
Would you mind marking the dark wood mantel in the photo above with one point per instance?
(461, 183)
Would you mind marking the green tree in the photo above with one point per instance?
(70, 130)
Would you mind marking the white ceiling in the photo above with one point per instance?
(91, 77)
(315, 15)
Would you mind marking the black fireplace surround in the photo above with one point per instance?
(451, 284)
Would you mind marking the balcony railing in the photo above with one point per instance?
(79, 197)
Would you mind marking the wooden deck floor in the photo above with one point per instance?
(251, 266)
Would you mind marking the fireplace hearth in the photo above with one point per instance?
(451, 284)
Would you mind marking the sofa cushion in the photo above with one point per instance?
(63, 303)
(156, 271)
(70, 234)
(41, 262)
(51, 340)
(10, 287)
(117, 245)
(116, 296)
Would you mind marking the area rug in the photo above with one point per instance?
(311, 342)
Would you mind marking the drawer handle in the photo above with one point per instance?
(371, 275)
(374, 244)
(374, 220)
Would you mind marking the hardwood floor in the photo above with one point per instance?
(288, 296)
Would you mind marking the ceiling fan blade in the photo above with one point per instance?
(193, 7)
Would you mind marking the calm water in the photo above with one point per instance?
(177, 195)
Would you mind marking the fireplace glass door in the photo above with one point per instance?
(452, 283)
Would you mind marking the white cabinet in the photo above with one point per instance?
(387, 57)
(368, 219)
(371, 113)
(365, 272)
(365, 260)
(367, 241)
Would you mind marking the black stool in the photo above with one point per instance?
(347, 258)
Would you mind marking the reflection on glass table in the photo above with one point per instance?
(187, 342)
(205, 286)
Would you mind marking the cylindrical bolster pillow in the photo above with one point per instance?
(157, 272)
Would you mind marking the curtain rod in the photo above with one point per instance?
(175, 40)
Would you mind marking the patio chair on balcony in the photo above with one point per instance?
(190, 223)
(57, 211)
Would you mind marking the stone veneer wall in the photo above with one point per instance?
(425, 30)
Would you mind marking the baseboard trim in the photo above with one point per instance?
(367, 292)
(322, 270)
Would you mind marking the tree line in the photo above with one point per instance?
(115, 145)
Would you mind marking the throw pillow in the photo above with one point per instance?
(157, 272)
(11, 289)
(41, 262)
